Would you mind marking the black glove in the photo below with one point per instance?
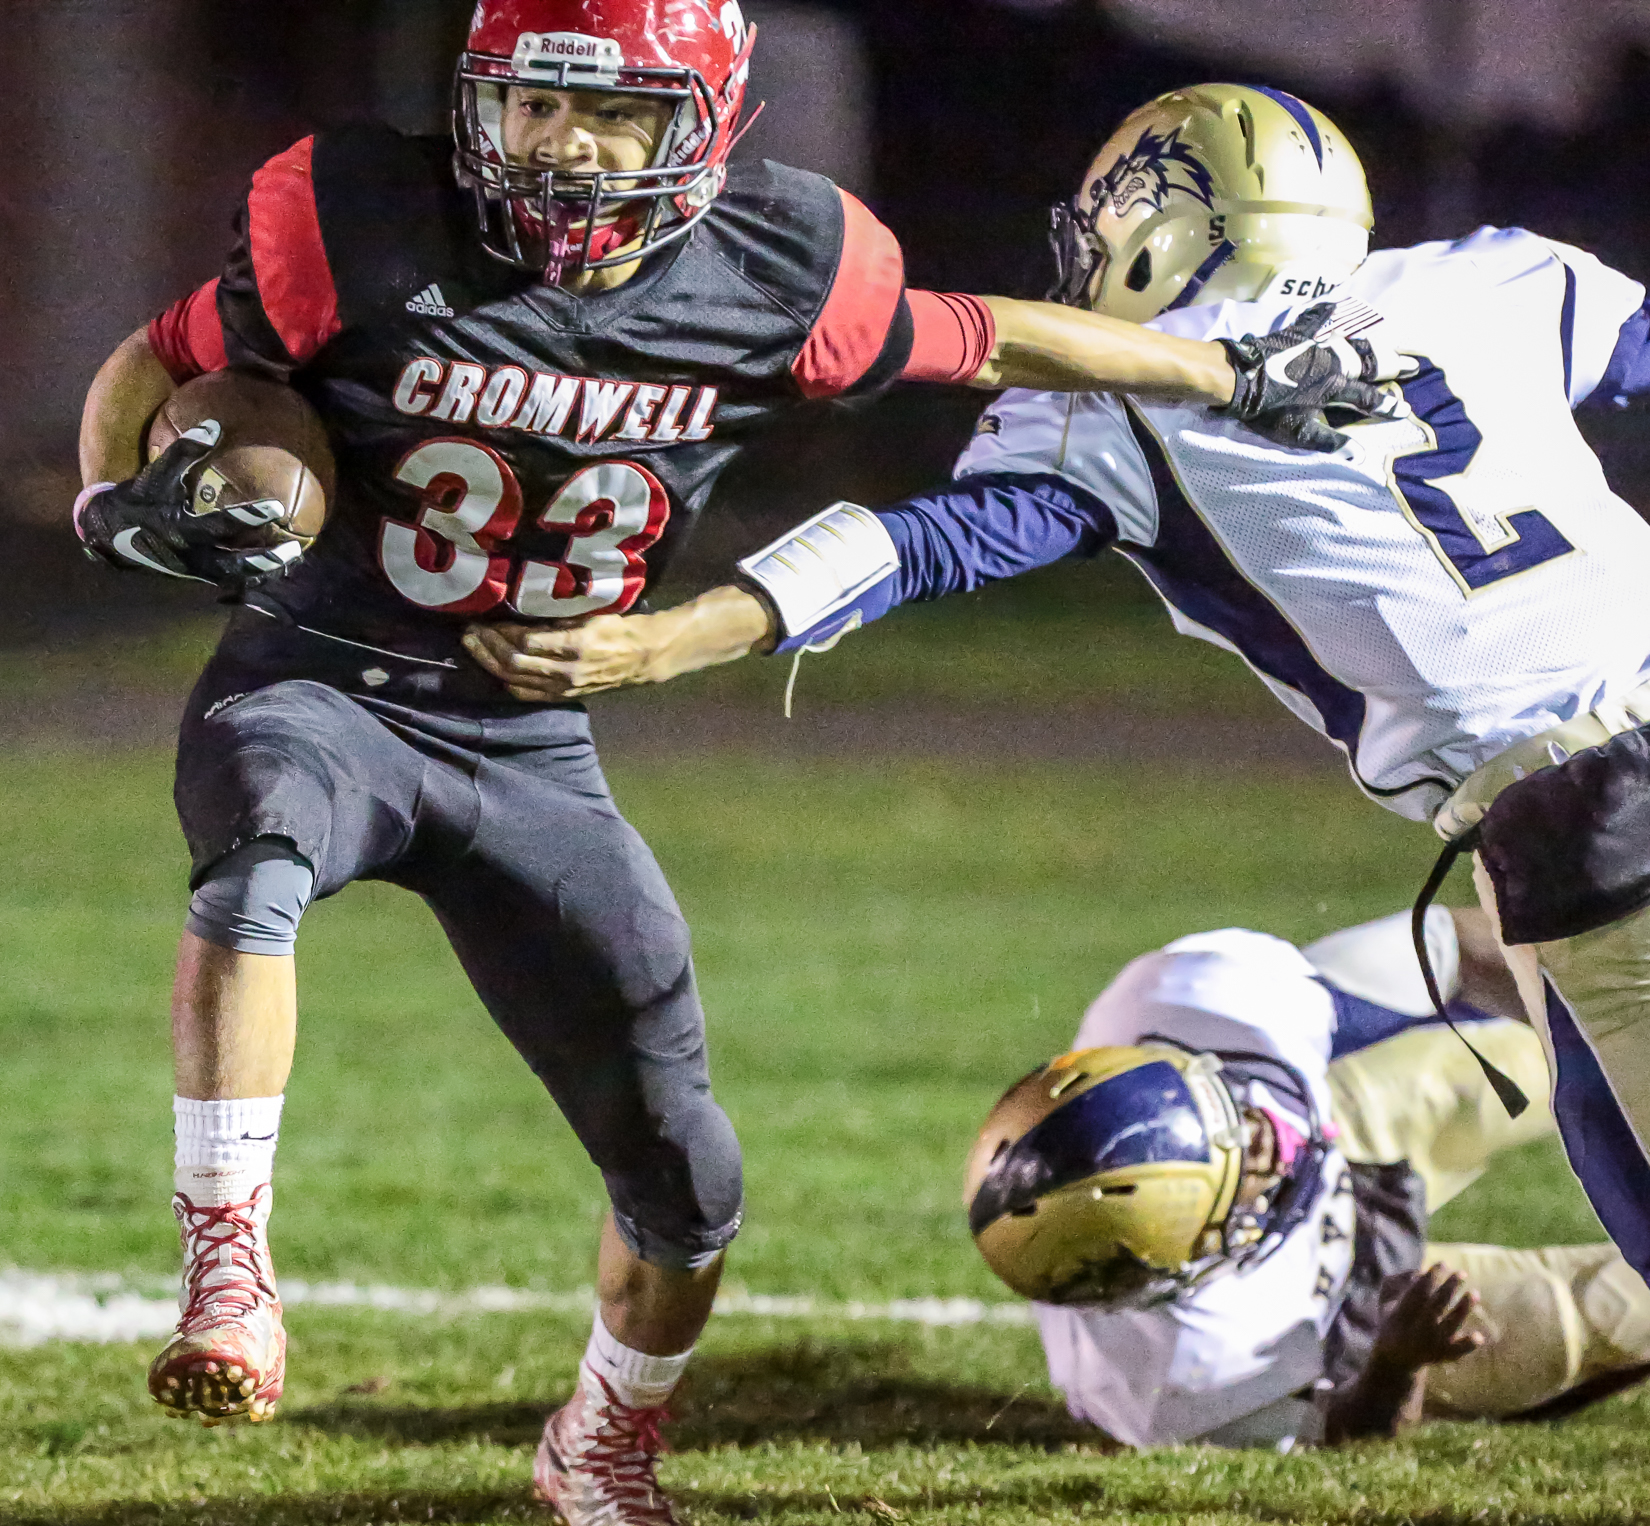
(145, 522)
(1285, 381)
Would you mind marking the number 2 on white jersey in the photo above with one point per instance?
(454, 557)
(1472, 530)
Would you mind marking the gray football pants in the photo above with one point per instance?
(559, 914)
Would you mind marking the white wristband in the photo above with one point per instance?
(823, 565)
(87, 494)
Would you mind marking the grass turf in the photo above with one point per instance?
(928, 1427)
(882, 948)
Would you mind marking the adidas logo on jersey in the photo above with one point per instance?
(431, 303)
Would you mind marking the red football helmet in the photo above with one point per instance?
(693, 53)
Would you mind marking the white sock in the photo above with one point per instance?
(224, 1150)
(637, 1379)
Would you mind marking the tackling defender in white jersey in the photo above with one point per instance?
(1456, 598)
(1079, 1185)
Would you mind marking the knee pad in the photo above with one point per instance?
(671, 1252)
(685, 1218)
(252, 899)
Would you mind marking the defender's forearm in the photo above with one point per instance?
(720, 626)
(1047, 347)
(848, 566)
(129, 386)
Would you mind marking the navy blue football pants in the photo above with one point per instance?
(557, 910)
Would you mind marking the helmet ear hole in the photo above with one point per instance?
(1140, 272)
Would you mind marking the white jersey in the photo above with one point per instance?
(1236, 1361)
(1440, 588)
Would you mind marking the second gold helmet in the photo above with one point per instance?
(1112, 1176)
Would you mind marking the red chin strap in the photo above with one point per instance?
(566, 243)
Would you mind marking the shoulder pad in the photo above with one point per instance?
(1505, 254)
(394, 219)
(782, 230)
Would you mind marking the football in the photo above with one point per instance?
(273, 446)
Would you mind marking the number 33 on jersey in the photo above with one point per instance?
(455, 557)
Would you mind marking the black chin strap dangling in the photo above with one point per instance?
(1511, 1094)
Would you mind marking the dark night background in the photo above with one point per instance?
(132, 130)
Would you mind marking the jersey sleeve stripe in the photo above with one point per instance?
(1361, 1024)
(1602, 342)
(289, 259)
(864, 300)
(952, 337)
(188, 337)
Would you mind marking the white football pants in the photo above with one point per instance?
(1589, 999)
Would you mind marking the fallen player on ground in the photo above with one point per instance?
(1239, 1255)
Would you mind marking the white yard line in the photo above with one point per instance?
(36, 1307)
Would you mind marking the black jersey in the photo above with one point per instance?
(509, 450)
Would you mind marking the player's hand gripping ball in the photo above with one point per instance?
(1286, 379)
(237, 486)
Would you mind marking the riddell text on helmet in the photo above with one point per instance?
(593, 55)
(582, 408)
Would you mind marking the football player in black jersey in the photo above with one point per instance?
(533, 358)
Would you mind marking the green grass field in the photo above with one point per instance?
(882, 946)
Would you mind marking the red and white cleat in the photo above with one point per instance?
(595, 1465)
(228, 1359)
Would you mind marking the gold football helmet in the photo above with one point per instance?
(1113, 1176)
(1212, 192)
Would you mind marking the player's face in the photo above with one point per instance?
(1262, 1163)
(577, 132)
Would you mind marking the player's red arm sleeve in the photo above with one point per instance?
(853, 326)
(188, 337)
(952, 337)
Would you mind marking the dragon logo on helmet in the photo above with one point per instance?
(1157, 165)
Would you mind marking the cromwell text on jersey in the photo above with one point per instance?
(541, 402)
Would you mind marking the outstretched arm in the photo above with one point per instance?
(1048, 348)
(843, 568)
(848, 566)
(614, 651)
(1277, 383)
